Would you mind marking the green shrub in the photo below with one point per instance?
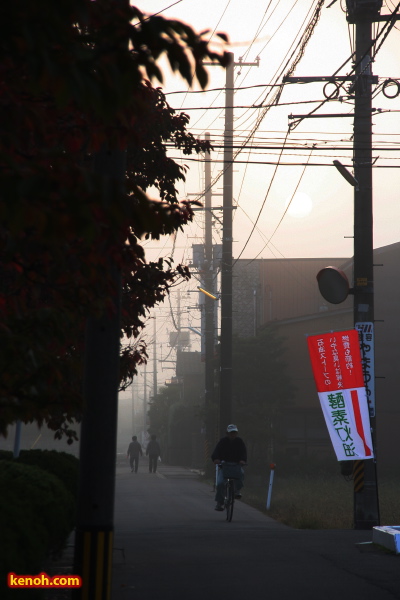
(62, 465)
(6, 455)
(36, 516)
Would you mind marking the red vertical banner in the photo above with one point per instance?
(337, 367)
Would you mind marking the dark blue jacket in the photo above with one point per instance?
(230, 450)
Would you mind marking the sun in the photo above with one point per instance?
(300, 206)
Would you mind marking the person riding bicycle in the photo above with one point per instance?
(230, 448)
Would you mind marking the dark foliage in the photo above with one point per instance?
(70, 85)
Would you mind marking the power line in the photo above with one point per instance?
(300, 46)
(286, 209)
(389, 24)
(222, 89)
(157, 13)
(257, 106)
(265, 199)
(305, 146)
(289, 164)
(229, 1)
(300, 51)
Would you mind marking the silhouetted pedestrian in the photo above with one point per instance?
(134, 450)
(153, 452)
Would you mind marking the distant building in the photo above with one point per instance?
(190, 371)
(185, 440)
(284, 293)
(269, 290)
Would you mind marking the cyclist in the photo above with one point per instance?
(230, 448)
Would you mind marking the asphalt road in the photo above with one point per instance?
(170, 543)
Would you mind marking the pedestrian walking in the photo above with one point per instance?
(153, 451)
(134, 450)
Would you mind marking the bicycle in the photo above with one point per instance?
(231, 472)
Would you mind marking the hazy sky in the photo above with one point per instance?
(270, 30)
(276, 25)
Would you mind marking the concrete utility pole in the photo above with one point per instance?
(133, 408)
(209, 303)
(362, 14)
(98, 445)
(154, 358)
(98, 439)
(225, 405)
(145, 400)
(204, 259)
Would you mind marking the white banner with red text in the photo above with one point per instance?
(337, 367)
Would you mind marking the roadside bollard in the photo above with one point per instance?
(271, 481)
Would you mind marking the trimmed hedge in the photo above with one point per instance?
(62, 465)
(36, 516)
(6, 455)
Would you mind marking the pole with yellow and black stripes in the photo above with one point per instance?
(94, 557)
(358, 476)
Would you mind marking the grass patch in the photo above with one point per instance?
(319, 502)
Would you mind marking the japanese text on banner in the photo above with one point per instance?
(336, 362)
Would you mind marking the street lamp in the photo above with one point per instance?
(212, 296)
(346, 174)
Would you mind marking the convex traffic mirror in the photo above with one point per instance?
(333, 285)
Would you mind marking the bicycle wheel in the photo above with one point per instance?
(230, 500)
(226, 493)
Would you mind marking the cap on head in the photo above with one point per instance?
(231, 428)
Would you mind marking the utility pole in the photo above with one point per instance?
(179, 348)
(225, 404)
(95, 509)
(133, 408)
(94, 532)
(154, 358)
(362, 13)
(209, 304)
(145, 401)
(178, 343)
(366, 503)
(204, 260)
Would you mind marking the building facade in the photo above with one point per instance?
(284, 293)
